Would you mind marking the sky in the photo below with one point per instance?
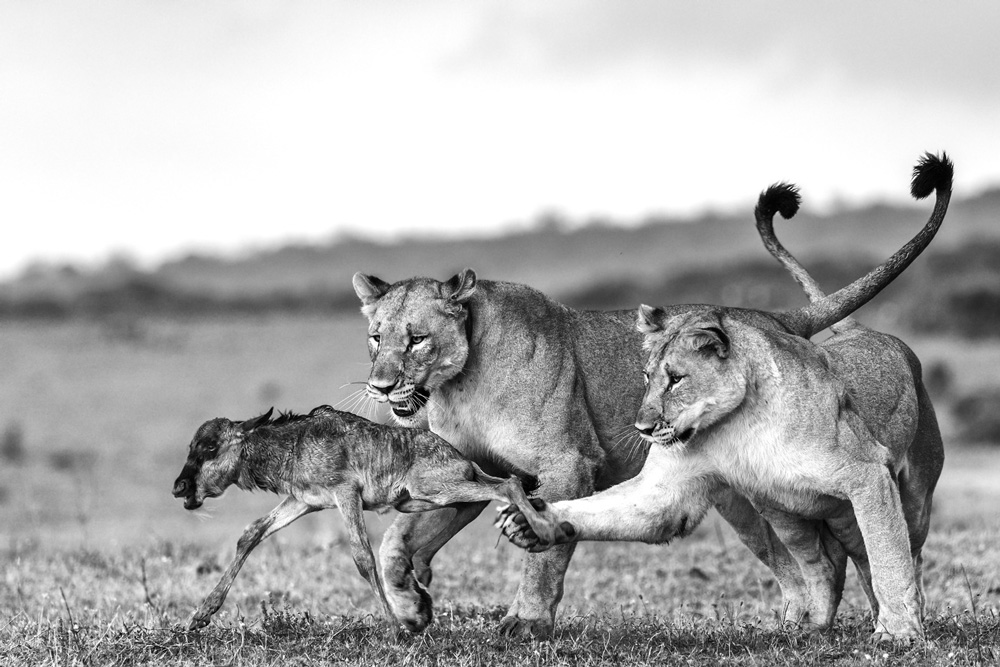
(153, 128)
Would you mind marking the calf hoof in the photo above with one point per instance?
(198, 622)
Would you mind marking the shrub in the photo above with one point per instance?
(978, 417)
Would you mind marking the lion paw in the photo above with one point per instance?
(409, 601)
(528, 628)
(516, 528)
(883, 637)
(903, 631)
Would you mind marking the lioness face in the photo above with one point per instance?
(212, 462)
(417, 338)
(691, 383)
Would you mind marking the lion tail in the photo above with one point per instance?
(784, 198)
(931, 174)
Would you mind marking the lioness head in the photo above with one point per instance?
(416, 338)
(213, 462)
(691, 380)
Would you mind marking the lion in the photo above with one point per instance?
(524, 385)
(837, 444)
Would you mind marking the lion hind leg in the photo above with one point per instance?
(821, 573)
(759, 537)
(845, 530)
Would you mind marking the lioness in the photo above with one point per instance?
(837, 445)
(524, 385)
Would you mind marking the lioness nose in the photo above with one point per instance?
(645, 429)
(180, 488)
(382, 388)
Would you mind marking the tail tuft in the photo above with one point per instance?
(931, 173)
(782, 198)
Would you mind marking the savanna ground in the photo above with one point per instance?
(102, 566)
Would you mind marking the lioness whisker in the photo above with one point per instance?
(348, 384)
(353, 395)
(352, 402)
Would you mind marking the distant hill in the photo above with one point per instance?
(716, 259)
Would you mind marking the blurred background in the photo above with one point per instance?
(188, 187)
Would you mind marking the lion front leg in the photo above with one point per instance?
(407, 548)
(533, 610)
(880, 518)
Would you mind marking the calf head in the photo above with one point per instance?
(214, 459)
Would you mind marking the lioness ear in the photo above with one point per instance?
(711, 339)
(650, 320)
(458, 290)
(251, 424)
(369, 289)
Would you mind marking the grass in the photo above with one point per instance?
(99, 565)
(702, 601)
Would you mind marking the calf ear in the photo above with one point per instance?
(251, 424)
(650, 320)
(710, 339)
(458, 289)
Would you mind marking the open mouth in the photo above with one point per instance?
(411, 405)
(681, 438)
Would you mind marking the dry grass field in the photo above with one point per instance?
(101, 565)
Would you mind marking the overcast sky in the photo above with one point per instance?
(152, 128)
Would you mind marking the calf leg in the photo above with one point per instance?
(349, 502)
(439, 488)
(285, 513)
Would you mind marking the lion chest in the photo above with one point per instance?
(758, 459)
(469, 422)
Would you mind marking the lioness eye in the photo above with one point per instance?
(375, 338)
(674, 379)
(417, 340)
(645, 378)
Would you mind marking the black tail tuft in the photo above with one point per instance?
(931, 173)
(780, 197)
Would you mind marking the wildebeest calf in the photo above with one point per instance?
(330, 458)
